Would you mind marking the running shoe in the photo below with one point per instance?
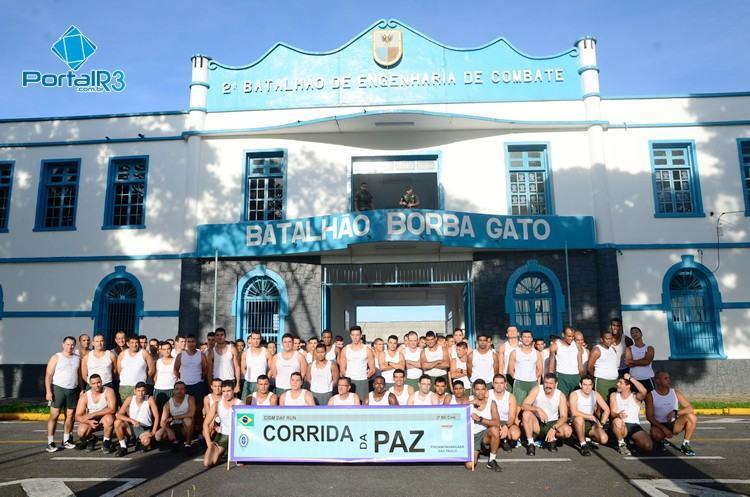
(106, 445)
(506, 445)
(68, 444)
(91, 444)
(121, 451)
(51, 447)
(187, 450)
(552, 446)
(585, 450)
(493, 465)
(531, 450)
(687, 449)
(623, 450)
(81, 444)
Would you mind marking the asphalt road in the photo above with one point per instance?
(720, 469)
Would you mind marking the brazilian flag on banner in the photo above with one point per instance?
(245, 419)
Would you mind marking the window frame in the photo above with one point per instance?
(246, 175)
(41, 200)
(11, 164)
(695, 185)
(109, 199)
(743, 175)
(238, 303)
(557, 297)
(526, 146)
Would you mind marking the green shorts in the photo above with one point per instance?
(64, 398)
(222, 440)
(544, 428)
(361, 388)
(633, 428)
(179, 430)
(479, 440)
(249, 388)
(321, 399)
(125, 391)
(162, 397)
(521, 389)
(568, 383)
(198, 391)
(139, 430)
(412, 382)
(605, 387)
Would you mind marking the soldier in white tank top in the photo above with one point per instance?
(285, 363)
(423, 396)
(625, 406)
(378, 390)
(102, 365)
(295, 398)
(545, 414)
(95, 411)
(482, 365)
(221, 413)
(670, 413)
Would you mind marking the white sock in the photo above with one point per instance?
(66, 437)
(50, 439)
(106, 439)
(686, 441)
(492, 456)
(530, 440)
(621, 442)
(583, 444)
(123, 444)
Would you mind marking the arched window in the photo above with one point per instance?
(261, 304)
(533, 300)
(692, 302)
(118, 305)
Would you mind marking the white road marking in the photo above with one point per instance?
(710, 428)
(654, 488)
(55, 487)
(655, 458)
(720, 421)
(528, 459)
(91, 458)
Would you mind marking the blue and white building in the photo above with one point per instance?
(543, 203)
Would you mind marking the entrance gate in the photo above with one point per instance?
(449, 281)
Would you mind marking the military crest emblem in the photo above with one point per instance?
(387, 47)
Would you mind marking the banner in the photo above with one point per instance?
(450, 228)
(351, 434)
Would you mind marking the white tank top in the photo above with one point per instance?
(631, 406)
(338, 401)
(486, 413)
(640, 372)
(97, 406)
(382, 402)
(402, 399)
(191, 368)
(223, 364)
(165, 378)
(664, 404)
(321, 379)
(266, 401)
(225, 415)
(585, 360)
(502, 403)
(356, 362)
(419, 401)
(620, 351)
(435, 355)
(142, 413)
(388, 373)
(331, 354)
(66, 371)
(100, 365)
(285, 368)
(299, 401)
(256, 364)
(412, 355)
(551, 407)
(482, 366)
(585, 405)
(461, 364)
(526, 365)
(134, 368)
(506, 355)
(179, 410)
(606, 365)
(566, 358)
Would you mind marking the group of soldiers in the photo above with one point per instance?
(524, 392)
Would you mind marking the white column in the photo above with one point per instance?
(589, 72)
(198, 91)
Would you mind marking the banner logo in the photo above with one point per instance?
(74, 48)
(387, 47)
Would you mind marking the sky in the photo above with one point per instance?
(663, 47)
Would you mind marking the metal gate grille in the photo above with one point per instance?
(119, 308)
(261, 308)
(693, 325)
(397, 273)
